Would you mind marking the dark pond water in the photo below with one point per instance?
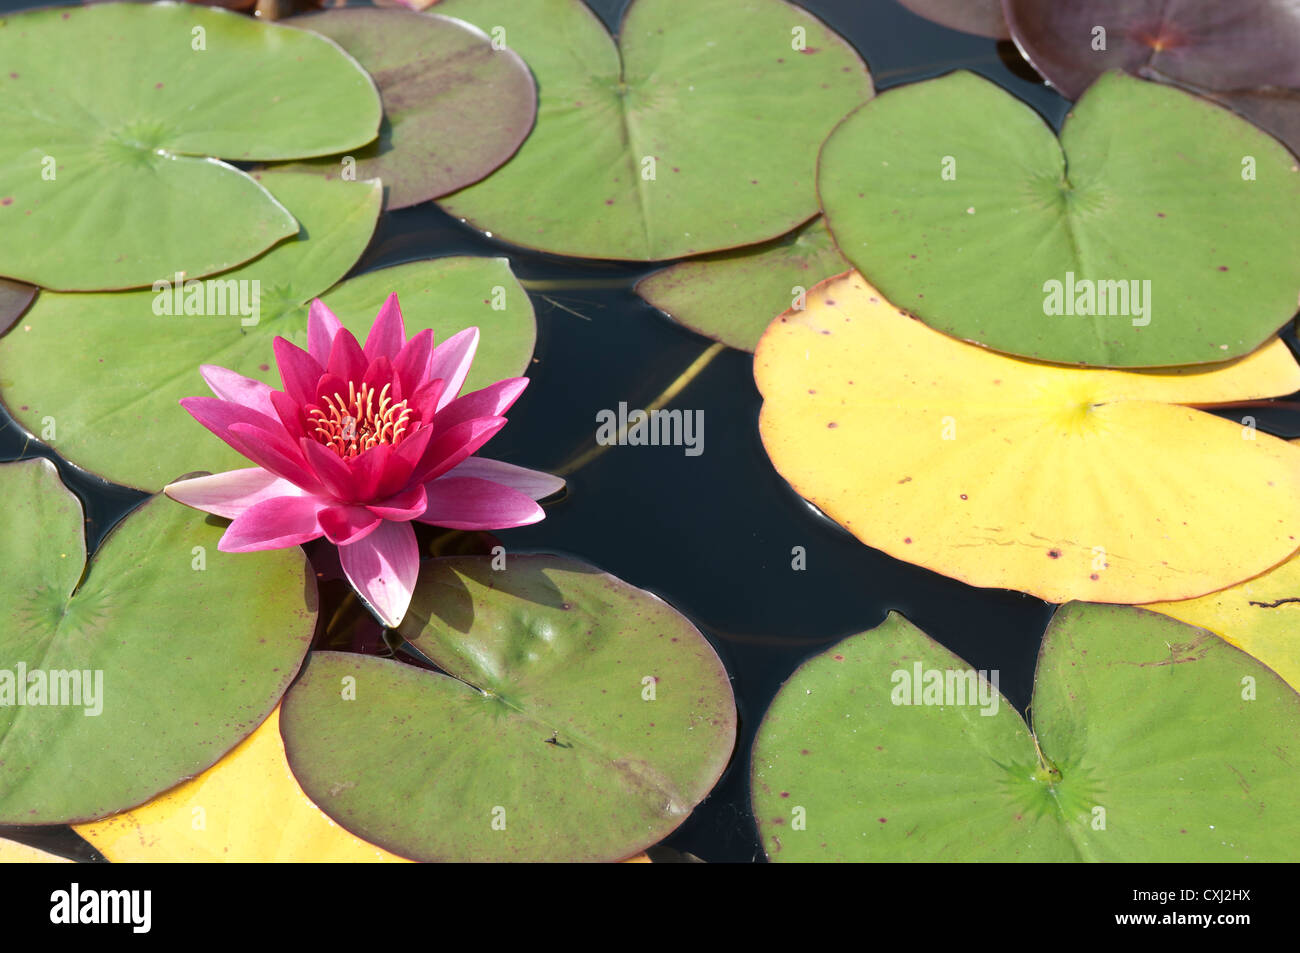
(710, 534)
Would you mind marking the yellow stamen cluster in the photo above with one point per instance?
(351, 427)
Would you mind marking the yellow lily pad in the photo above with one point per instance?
(247, 808)
(12, 852)
(1064, 482)
(1260, 616)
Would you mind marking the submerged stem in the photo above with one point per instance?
(671, 391)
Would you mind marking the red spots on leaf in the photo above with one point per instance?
(1223, 268)
(838, 658)
(7, 200)
(1094, 577)
(908, 540)
(785, 794)
(1053, 554)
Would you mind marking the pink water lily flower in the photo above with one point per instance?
(360, 442)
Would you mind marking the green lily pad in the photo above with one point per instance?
(580, 719)
(15, 298)
(698, 131)
(1159, 742)
(113, 397)
(1145, 189)
(112, 114)
(187, 648)
(733, 296)
(107, 369)
(454, 107)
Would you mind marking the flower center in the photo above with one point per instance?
(365, 419)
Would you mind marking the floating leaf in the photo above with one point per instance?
(981, 17)
(955, 200)
(1061, 482)
(111, 113)
(1250, 44)
(161, 654)
(454, 107)
(888, 747)
(14, 300)
(733, 296)
(247, 808)
(580, 719)
(114, 398)
(12, 852)
(1258, 616)
(698, 131)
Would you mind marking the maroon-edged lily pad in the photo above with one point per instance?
(455, 107)
(981, 17)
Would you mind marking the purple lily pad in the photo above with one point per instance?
(14, 299)
(455, 108)
(1198, 43)
(981, 17)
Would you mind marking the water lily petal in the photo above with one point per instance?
(534, 483)
(329, 467)
(289, 412)
(407, 505)
(322, 325)
(238, 389)
(411, 366)
(273, 524)
(398, 465)
(370, 470)
(229, 494)
(345, 524)
(298, 369)
(426, 398)
(450, 448)
(492, 401)
(388, 333)
(221, 416)
(451, 362)
(471, 503)
(379, 373)
(274, 452)
(347, 361)
(382, 568)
